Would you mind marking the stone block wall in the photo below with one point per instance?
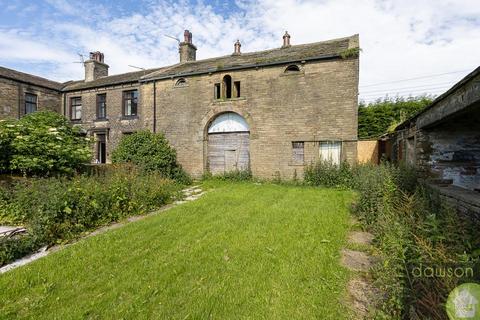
(319, 103)
(12, 98)
(115, 125)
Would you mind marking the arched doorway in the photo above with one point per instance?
(228, 147)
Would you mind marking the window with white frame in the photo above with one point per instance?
(331, 151)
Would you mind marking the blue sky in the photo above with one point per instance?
(434, 42)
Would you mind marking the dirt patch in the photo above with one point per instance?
(362, 297)
(360, 237)
(357, 260)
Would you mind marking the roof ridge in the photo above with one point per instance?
(29, 74)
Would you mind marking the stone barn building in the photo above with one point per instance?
(271, 112)
(443, 143)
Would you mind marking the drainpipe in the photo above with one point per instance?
(64, 105)
(154, 106)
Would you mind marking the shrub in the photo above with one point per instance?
(329, 175)
(235, 175)
(59, 209)
(150, 151)
(42, 143)
(412, 227)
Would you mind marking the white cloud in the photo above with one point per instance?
(400, 39)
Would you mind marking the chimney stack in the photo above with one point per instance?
(237, 46)
(286, 40)
(186, 49)
(95, 67)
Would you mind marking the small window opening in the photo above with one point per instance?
(236, 88)
(227, 87)
(292, 68)
(181, 82)
(298, 151)
(217, 92)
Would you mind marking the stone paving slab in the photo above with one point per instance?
(360, 237)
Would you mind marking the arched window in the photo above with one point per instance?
(227, 87)
(181, 82)
(228, 122)
(292, 68)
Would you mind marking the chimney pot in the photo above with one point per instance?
(97, 56)
(237, 47)
(286, 40)
(95, 67)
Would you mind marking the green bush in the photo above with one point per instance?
(235, 175)
(329, 175)
(377, 118)
(59, 209)
(150, 151)
(42, 143)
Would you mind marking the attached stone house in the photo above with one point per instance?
(22, 93)
(271, 111)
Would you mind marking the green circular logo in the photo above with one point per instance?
(463, 302)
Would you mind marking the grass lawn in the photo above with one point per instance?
(242, 251)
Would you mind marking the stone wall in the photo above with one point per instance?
(12, 98)
(451, 151)
(115, 125)
(319, 103)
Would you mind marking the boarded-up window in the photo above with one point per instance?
(217, 92)
(237, 89)
(298, 152)
(331, 151)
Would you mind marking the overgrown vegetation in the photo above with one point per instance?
(413, 230)
(151, 152)
(235, 175)
(350, 53)
(41, 143)
(382, 116)
(59, 209)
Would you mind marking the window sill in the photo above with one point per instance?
(129, 118)
(296, 164)
(100, 120)
(76, 120)
(229, 100)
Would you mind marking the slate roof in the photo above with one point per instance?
(441, 97)
(29, 79)
(108, 81)
(311, 51)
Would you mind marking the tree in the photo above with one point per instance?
(42, 143)
(375, 119)
(152, 152)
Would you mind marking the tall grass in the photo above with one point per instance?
(58, 209)
(413, 228)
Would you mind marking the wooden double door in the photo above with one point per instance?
(228, 152)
